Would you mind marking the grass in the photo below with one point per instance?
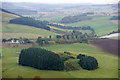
(15, 30)
(108, 64)
(101, 25)
(84, 31)
(6, 16)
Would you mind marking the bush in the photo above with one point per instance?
(88, 63)
(80, 56)
(69, 66)
(67, 53)
(40, 59)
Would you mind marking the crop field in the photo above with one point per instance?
(112, 48)
(101, 25)
(108, 64)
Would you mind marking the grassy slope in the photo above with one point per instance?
(102, 25)
(108, 65)
(15, 30)
(84, 31)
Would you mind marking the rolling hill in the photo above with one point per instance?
(101, 25)
(16, 30)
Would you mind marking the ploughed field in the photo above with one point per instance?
(108, 64)
(110, 46)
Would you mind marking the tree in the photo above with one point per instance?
(68, 37)
(4, 40)
(31, 22)
(40, 59)
(26, 40)
(80, 56)
(88, 63)
(39, 41)
(58, 36)
(50, 36)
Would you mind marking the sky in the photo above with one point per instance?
(66, 1)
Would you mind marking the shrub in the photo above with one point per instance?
(80, 56)
(69, 66)
(40, 59)
(88, 63)
(67, 53)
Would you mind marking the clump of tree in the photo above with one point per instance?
(74, 37)
(80, 56)
(115, 18)
(41, 41)
(87, 62)
(31, 22)
(40, 59)
(76, 18)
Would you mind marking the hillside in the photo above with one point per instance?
(16, 30)
(101, 25)
(108, 64)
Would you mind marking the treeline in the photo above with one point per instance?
(74, 37)
(77, 18)
(115, 18)
(72, 28)
(3, 10)
(31, 22)
(41, 59)
(68, 38)
(118, 31)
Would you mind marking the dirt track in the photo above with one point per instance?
(110, 46)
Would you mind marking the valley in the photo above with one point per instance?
(36, 35)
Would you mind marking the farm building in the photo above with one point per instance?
(12, 41)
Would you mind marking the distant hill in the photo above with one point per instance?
(55, 10)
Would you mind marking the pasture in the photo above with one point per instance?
(108, 64)
(16, 31)
(101, 25)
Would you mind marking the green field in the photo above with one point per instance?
(101, 25)
(108, 64)
(16, 30)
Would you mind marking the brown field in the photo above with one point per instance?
(110, 46)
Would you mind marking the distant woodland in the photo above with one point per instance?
(31, 22)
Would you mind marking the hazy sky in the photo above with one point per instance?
(66, 1)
